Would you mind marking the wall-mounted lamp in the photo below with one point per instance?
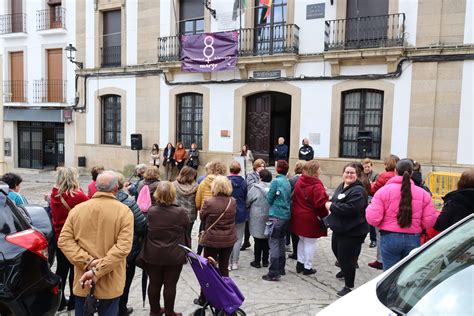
(71, 55)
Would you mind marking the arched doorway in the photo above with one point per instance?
(268, 117)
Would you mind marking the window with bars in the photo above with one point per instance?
(270, 21)
(361, 114)
(111, 120)
(189, 119)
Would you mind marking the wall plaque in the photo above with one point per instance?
(315, 11)
(259, 74)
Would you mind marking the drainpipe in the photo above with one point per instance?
(3, 165)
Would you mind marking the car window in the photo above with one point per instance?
(424, 274)
(9, 223)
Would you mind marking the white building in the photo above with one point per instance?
(38, 82)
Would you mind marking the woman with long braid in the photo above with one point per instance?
(401, 210)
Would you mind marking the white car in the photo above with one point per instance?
(435, 279)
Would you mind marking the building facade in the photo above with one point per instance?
(38, 83)
(358, 78)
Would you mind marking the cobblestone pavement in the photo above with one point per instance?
(295, 294)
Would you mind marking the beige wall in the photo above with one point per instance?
(434, 115)
(148, 31)
(440, 22)
(148, 109)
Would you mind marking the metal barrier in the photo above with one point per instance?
(441, 183)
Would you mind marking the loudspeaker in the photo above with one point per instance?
(364, 143)
(81, 161)
(136, 140)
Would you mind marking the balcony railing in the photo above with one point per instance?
(54, 18)
(264, 40)
(111, 56)
(365, 32)
(13, 23)
(49, 91)
(15, 91)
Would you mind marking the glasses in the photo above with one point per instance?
(349, 172)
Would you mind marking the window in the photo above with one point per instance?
(191, 17)
(270, 21)
(361, 116)
(111, 120)
(112, 42)
(189, 119)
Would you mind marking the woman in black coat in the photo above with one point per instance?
(457, 204)
(348, 223)
(168, 161)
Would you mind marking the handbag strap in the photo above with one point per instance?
(64, 203)
(215, 222)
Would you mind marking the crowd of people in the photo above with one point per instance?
(104, 233)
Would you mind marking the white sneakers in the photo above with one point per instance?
(233, 266)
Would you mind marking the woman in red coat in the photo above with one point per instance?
(309, 198)
(66, 194)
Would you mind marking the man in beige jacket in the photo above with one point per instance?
(96, 239)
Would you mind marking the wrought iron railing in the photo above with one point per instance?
(365, 32)
(263, 40)
(111, 56)
(49, 91)
(13, 23)
(54, 18)
(15, 91)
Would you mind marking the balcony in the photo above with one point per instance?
(15, 91)
(260, 41)
(365, 32)
(111, 56)
(49, 91)
(51, 19)
(12, 23)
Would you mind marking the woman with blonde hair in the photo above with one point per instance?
(218, 217)
(168, 224)
(66, 194)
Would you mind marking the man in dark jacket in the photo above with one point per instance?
(139, 229)
(306, 152)
(281, 150)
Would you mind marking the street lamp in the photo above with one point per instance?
(71, 55)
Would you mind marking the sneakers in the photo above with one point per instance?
(299, 267)
(340, 275)
(235, 266)
(265, 264)
(245, 246)
(376, 265)
(266, 277)
(308, 271)
(373, 244)
(344, 291)
(255, 264)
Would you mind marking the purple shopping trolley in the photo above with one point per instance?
(223, 297)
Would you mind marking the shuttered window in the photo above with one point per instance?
(361, 113)
(189, 119)
(111, 120)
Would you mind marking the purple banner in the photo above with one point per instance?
(209, 52)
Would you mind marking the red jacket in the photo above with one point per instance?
(309, 198)
(381, 180)
(59, 212)
(91, 189)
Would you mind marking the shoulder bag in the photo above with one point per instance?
(202, 234)
(64, 203)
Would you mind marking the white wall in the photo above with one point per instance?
(93, 85)
(410, 8)
(132, 26)
(166, 8)
(90, 34)
(312, 31)
(465, 153)
(469, 23)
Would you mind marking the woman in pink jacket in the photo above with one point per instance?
(400, 209)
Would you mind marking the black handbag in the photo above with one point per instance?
(90, 303)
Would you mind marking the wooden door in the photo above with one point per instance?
(17, 16)
(55, 86)
(258, 124)
(17, 86)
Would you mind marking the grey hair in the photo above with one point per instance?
(110, 184)
(140, 168)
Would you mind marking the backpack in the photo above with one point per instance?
(144, 199)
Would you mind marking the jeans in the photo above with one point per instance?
(347, 250)
(260, 250)
(306, 250)
(104, 307)
(234, 258)
(277, 247)
(373, 234)
(377, 234)
(396, 246)
(169, 168)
